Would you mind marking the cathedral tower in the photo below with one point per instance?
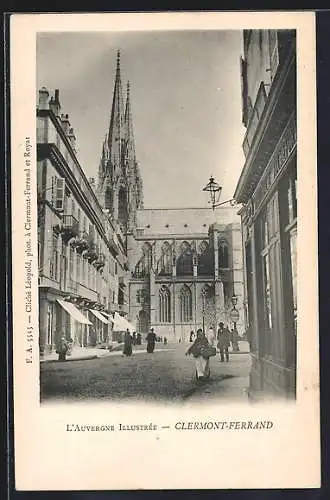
(119, 180)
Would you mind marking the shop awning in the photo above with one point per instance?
(109, 316)
(99, 316)
(74, 312)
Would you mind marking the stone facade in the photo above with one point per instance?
(81, 253)
(267, 190)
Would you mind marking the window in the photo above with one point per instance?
(205, 261)
(267, 292)
(165, 262)
(186, 304)
(122, 205)
(50, 321)
(53, 264)
(60, 194)
(71, 264)
(78, 259)
(185, 260)
(143, 267)
(223, 254)
(164, 305)
(108, 198)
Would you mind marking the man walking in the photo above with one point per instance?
(223, 342)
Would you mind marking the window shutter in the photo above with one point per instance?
(60, 191)
(244, 91)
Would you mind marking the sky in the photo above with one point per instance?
(186, 104)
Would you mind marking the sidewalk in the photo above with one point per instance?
(86, 353)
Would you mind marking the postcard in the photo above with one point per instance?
(164, 238)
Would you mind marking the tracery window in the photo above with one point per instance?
(185, 260)
(205, 261)
(164, 305)
(142, 269)
(223, 254)
(186, 304)
(165, 262)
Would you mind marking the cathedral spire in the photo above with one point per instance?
(115, 134)
(129, 135)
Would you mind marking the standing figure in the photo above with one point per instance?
(192, 335)
(223, 342)
(128, 341)
(62, 349)
(138, 338)
(134, 338)
(151, 339)
(202, 362)
(211, 336)
(165, 340)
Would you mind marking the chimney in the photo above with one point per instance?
(65, 123)
(43, 98)
(54, 104)
(72, 138)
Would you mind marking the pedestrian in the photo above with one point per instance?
(128, 341)
(165, 340)
(202, 359)
(134, 338)
(192, 335)
(223, 342)
(138, 338)
(151, 339)
(62, 349)
(211, 336)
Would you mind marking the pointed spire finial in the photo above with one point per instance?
(118, 60)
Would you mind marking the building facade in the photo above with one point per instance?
(81, 251)
(267, 191)
(185, 269)
(184, 264)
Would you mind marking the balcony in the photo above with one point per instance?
(91, 255)
(81, 242)
(70, 227)
(99, 263)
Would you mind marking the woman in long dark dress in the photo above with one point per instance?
(128, 341)
(151, 340)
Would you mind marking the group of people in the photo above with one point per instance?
(202, 355)
(135, 339)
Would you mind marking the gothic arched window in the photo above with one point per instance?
(184, 264)
(205, 261)
(223, 254)
(142, 269)
(122, 205)
(108, 199)
(165, 262)
(164, 305)
(186, 304)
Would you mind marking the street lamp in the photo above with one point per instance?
(203, 293)
(215, 189)
(234, 314)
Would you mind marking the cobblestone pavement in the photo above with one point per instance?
(165, 375)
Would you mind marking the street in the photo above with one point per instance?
(165, 375)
